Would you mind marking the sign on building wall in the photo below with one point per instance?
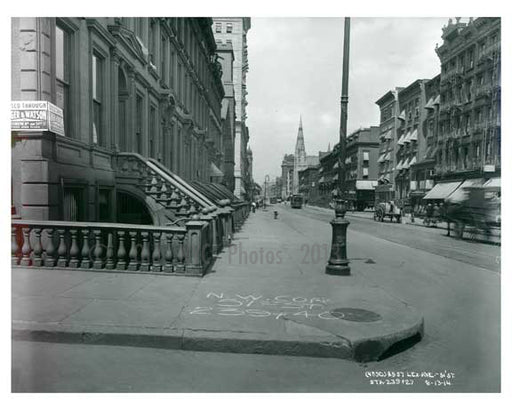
(36, 116)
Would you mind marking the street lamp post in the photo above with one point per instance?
(338, 262)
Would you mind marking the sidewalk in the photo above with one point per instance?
(260, 298)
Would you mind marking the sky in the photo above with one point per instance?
(295, 69)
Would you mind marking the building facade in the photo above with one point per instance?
(147, 86)
(361, 166)
(389, 124)
(411, 144)
(469, 140)
(233, 30)
(287, 166)
(422, 172)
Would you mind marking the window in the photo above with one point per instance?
(72, 204)
(229, 28)
(163, 59)
(365, 172)
(138, 28)
(139, 118)
(152, 42)
(152, 131)
(104, 201)
(366, 156)
(97, 100)
(218, 27)
(62, 74)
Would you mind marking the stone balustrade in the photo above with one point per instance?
(113, 247)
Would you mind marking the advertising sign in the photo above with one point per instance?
(36, 116)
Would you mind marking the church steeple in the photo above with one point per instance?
(299, 146)
(299, 162)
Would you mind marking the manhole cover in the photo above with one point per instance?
(356, 315)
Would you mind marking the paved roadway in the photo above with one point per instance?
(454, 284)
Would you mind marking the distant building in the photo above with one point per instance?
(308, 183)
(287, 167)
(389, 123)
(361, 167)
(411, 141)
(233, 30)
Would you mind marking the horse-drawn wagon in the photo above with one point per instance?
(387, 210)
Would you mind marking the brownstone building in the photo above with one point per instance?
(141, 86)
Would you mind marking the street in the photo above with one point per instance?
(454, 284)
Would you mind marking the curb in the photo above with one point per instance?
(363, 350)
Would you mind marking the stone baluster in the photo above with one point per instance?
(14, 246)
(62, 250)
(163, 192)
(157, 265)
(168, 253)
(38, 249)
(86, 252)
(25, 249)
(180, 266)
(74, 250)
(110, 252)
(134, 264)
(50, 249)
(121, 252)
(144, 254)
(98, 250)
(174, 200)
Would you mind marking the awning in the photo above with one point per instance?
(335, 177)
(430, 104)
(413, 161)
(460, 193)
(348, 160)
(321, 179)
(402, 116)
(387, 157)
(400, 165)
(442, 190)
(336, 165)
(437, 101)
(407, 138)
(214, 171)
(386, 135)
(366, 185)
(414, 136)
(401, 140)
(406, 164)
(494, 182)
(381, 158)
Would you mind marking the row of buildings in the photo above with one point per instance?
(86, 91)
(434, 134)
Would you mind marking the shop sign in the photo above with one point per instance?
(36, 116)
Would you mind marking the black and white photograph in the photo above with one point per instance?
(266, 203)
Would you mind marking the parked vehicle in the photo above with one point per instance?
(296, 201)
(478, 212)
(387, 210)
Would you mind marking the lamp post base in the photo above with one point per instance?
(338, 262)
(339, 270)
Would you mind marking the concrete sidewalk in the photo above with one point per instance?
(267, 293)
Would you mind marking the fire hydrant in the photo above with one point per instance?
(275, 214)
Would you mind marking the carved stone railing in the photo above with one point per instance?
(171, 192)
(113, 247)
